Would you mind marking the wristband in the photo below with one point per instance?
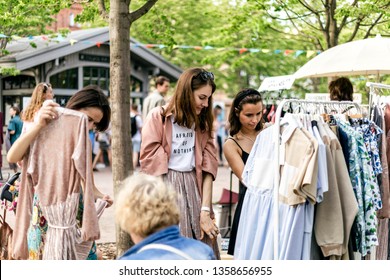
(205, 208)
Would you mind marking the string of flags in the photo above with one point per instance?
(296, 53)
(60, 38)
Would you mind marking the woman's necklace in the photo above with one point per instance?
(247, 137)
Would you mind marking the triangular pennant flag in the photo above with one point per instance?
(242, 50)
(98, 44)
(277, 51)
(30, 37)
(16, 37)
(309, 53)
(149, 46)
(208, 47)
(59, 37)
(3, 36)
(161, 46)
(44, 37)
(197, 48)
(254, 50)
(299, 52)
(72, 41)
(265, 50)
(288, 52)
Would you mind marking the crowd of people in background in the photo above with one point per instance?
(177, 145)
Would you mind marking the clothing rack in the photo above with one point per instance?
(301, 103)
(372, 87)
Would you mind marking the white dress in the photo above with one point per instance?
(298, 186)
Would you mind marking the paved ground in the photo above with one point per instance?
(103, 180)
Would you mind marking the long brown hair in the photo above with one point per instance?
(37, 98)
(182, 104)
(92, 96)
(245, 96)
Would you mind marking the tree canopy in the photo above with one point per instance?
(242, 41)
(27, 18)
(287, 32)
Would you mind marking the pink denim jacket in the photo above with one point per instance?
(156, 147)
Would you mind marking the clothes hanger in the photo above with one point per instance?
(289, 119)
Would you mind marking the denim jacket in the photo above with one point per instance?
(169, 236)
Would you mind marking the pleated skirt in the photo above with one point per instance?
(190, 203)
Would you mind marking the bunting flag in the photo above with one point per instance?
(310, 53)
(59, 38)
(243, 50)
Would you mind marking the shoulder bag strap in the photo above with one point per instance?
(165, 248)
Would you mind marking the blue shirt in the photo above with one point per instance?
(169, 236)
(92, 138)
(15, 124)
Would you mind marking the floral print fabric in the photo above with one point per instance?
(36, 234)
(371, 137)
(363, 168)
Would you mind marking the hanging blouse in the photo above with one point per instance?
(371, 136)
(57, 161)
(366, 190)
(336, 213)
(298, 186)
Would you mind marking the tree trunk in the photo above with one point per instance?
(120, 103)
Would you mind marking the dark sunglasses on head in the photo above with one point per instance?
(46, 86)
(205, 76)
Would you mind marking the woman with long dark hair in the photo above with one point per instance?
(245, 124)
(177, 143)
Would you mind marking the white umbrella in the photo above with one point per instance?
(362, 57)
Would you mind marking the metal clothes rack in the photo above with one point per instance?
(372, 87)
(318, 104)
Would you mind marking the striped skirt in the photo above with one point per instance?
(189, 202)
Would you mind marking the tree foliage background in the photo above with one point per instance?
(262, 24)
(27, 18)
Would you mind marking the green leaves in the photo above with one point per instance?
(226, 26)
(28, 17)
(9, 71)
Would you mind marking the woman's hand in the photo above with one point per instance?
(108, 199)
(47, 113)
(208, 226)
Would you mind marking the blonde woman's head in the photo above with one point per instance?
(145, 205)
(42, 92)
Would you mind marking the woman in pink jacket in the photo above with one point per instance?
(177, 143)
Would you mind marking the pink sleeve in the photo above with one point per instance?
(82, 158)
(153, 158)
